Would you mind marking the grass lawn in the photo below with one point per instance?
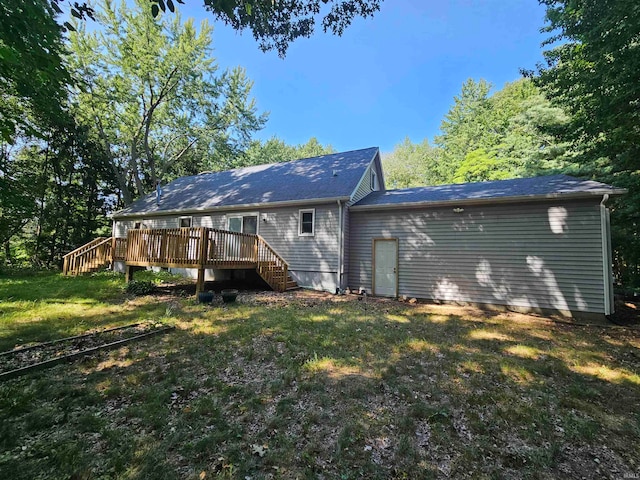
(309, 385)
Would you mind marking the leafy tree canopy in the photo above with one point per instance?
(155, 98)
(275, 150)
(510, 133)
(591, 69)
(33, 77)
(413, 165)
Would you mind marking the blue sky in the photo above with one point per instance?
(388, 77)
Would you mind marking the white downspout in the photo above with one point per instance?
(605, 235)
(340, 244)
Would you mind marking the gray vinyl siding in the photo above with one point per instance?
(122, 226)
(318, 253)
(314, 257)
(505, 254)
(364, 187)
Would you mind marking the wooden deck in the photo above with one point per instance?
(194, 247)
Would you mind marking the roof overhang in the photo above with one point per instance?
(196, 211)
(498, 200)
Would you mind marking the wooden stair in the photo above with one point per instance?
(291, 284)
(88, 258)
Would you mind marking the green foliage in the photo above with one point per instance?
(463, 128)
(512, 133)
(155, 99)
(33, 76)
(275, 150)
(140, 287)
(60, 190)
(479, 165)
(17, 196)
(413, 165)
(591, 69)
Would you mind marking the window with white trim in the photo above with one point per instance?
(137, 225)
(185, 222)
(307, 222)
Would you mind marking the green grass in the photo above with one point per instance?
(313, 387)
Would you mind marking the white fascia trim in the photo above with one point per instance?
(197, 211)
(482, 201)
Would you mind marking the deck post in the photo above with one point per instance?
(202, 259)
(284, 277)
(113, 252)
(128, 273)
(200, 281)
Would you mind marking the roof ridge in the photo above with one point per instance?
(280, 163)
(486, 182)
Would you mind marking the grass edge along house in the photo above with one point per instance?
(328, 222)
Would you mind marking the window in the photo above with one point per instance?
(137, 225)
(374, 181)
(243, 223)
(307, 220)
(185, 222)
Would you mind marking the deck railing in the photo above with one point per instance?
(169, 247)
(229, 248)
(119, 249)
(192, 247)
(89, 257)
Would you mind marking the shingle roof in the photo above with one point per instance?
(546, 186)
(325, 177)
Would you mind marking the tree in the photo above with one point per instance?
(154, 97)
(275, 24)
(593, 73)
(55, 193)
(463, 128)
(509, 134)
(275, 150)
(413, 165)
(17, 197)
(33, 77)
(591, 69)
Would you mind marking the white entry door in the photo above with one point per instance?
(385, 261)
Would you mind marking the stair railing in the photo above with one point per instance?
(271, 266)
(90, 256)
(193, 247)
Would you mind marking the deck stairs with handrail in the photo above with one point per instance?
(191, 247)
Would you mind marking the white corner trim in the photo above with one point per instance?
(606, 256)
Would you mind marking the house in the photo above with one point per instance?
(538, 244)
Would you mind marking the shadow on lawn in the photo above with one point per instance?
(341, 393)
(343, 390)
(50, 306)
